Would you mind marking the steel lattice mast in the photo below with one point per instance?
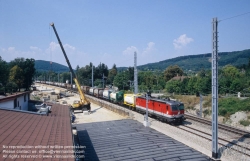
(135, 74)
(215, 89)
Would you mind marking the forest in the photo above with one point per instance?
(20, 73)
(200, 61)
(232, 79)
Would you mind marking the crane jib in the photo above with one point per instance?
(64, 53)
(84, 103)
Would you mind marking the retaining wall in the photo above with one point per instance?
(110, 106)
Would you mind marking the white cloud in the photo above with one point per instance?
(146, 55)
(53, 46)
(11, 49)
(11, 53)
(69, 47)
(149, 48)
(130, 50)
(52, 53)
(182, 41)
(3, 50)
(34, 48)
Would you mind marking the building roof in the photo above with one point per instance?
(179, 78)
(13, 96)
(26, 129)
(128, 139)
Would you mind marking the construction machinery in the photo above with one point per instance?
(83, 104)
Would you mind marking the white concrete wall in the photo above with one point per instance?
(7, 104)
(23, 105)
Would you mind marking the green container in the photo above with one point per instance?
(117, 97)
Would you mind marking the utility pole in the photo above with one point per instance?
(135, 74)
(201, 99)
(102, 80)
(92, 76)
(130, 84)
(146, 123)
(215, 89)
(71, 78)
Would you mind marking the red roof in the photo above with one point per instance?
(25, 129)
(13, 96)
(179, 78)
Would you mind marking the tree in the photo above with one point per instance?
(173, 86)
(237, 85)
(130, 73)
(184, 85)
(85, 74)
(16, 76)
(112, 74)
(230, 80)
(191, 85)
(230, 71)
(28, 72)
(121, 80)
(66, 76)
(28, 67)
(172, 71)
(248, 63)
(101, 70)
(4, 72)
(77, 70)
(202, 73)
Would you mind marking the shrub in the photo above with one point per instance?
(222, 111)
(228, 106)
(244, 122)
(207, 101)
(207, 112)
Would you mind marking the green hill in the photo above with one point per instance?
(189, 62)
(42, 65)
(196, 62)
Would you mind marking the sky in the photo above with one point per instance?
(110, 31)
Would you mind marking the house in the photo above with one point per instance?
(180, 78)
(26, 135)
(17, 100)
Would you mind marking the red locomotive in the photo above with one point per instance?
(165, 109)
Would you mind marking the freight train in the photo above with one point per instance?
(169, 111)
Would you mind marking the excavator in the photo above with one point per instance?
(83, 104)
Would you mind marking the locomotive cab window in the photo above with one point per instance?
(181, 107)
(177, 107)
(174, 108)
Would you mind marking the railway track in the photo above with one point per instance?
(225, 143)
(227, 128)
(224, 127)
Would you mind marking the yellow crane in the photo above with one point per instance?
(83, 104)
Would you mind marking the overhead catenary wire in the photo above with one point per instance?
(234, 16)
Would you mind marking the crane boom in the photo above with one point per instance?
(84, 103)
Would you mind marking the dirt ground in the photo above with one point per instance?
(97, 114)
